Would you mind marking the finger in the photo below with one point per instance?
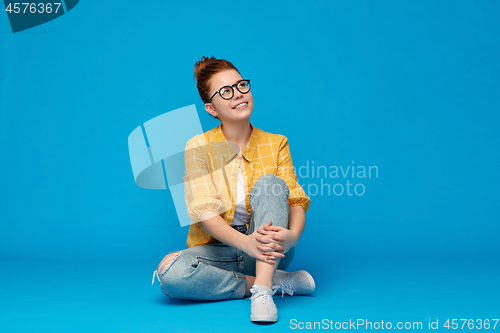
(272, 257)
(266, 259)
(265, 248)
(268, 232)
(267, 225)
(272, 228)
(264, 239)
(276, 247)
(268, 240)
(279, 254)
(279, 248)
(261, 231)
(276, 237)
(271, 248)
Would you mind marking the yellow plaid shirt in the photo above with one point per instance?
(211, 175)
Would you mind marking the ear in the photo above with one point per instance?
(210, 109)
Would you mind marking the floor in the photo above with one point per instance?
(53, 296)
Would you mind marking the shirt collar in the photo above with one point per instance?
(229, 153)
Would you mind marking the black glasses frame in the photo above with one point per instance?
(232, 89)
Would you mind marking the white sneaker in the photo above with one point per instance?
(263, 308)
(293, 283)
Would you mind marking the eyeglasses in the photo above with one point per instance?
(227, 92)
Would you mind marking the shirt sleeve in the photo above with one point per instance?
(286, 172)
(200, 191)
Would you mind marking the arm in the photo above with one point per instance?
(296, 222)
(200, 191)
(219, 229)
(285, 171)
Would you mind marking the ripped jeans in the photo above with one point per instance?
(217, 271)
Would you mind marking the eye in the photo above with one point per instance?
(225, 91)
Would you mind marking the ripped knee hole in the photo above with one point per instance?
(168, 261)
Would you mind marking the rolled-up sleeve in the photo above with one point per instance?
(200, 191)
(286, 172)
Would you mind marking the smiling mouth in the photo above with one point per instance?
(241, 105)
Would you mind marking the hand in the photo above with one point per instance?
(290, 239)
(269, 241)
(264, 247)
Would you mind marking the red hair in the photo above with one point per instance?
(204, 69)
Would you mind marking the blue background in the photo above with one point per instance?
(408, 86)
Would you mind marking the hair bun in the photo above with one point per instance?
(205, 69)
(200, 65)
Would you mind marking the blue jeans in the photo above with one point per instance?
(217, 271)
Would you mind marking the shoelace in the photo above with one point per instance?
(261, 296)
(155, 273)
(286, 286)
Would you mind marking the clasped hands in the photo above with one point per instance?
(269, 242)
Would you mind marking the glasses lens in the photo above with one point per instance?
(244, 86)
(226, 92)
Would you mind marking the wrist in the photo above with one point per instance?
(295, 237)
(243, 245)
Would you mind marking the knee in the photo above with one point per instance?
(167, 261)
(174, 272)
(270, 184)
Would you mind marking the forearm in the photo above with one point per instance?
(296, 221)
(219, 229)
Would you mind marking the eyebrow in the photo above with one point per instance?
(237, 81)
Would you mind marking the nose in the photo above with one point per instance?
(237, 94)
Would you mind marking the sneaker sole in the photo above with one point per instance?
(264, 319)
(311, 281)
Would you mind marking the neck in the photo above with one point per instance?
(238, 133)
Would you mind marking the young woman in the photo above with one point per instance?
(246, 207)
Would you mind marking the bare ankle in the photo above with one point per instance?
(250, 283)
(263, 282)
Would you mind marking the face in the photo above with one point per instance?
(226, 109)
